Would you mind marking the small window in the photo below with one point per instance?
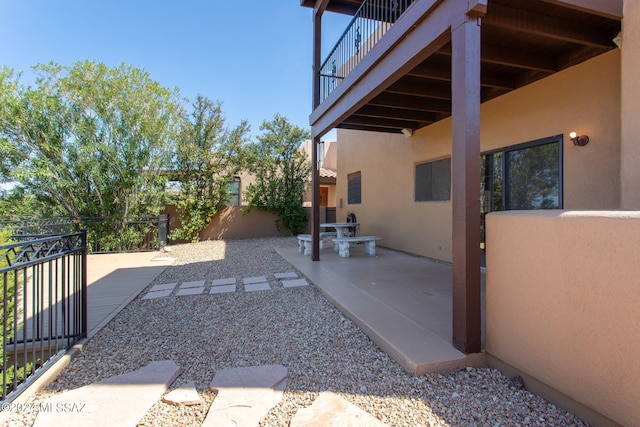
(433, 181)
(354, 188)
(234, 192)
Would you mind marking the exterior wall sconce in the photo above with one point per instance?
(579, 141)
(407, 132)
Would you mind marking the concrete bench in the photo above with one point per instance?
(343, 244)
(304, 241)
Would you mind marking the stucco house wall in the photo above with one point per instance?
(584, 98)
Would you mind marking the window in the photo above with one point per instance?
(354, 188)
(234, 192)
(526, 176)
(433, 181)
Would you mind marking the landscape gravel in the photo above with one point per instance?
(294, 327)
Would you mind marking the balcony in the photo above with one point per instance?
(392, 68)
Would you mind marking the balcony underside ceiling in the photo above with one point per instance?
(522, 41)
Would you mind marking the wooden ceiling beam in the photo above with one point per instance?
(426, 88)
(382, 112)
(514, 19)
(612, 9)
(443, 72)
(412, 103)
(389, 122)
(369, 128)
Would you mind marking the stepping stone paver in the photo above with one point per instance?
(222, 289)
(122, 400)
(255, 279)
(186, 395)
(294, 283)
(165, 287)
(157, 294)
(194, 284)
(190, 291)
(330, 410)
(220, 282)
(245, 395)
(257, 287)
(287, 275)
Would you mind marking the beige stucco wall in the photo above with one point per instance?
(630, 153)
(584, 98)
(562, 301)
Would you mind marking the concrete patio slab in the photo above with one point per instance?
(225, 289)
(157, 294)
(190, 291)
(192, 284)
(330, 410)
(257, 287)
(163, 287)
(221, 282)
(255, 279)
(294, 283)
(286, 275)
(402, 302)
(122, 400)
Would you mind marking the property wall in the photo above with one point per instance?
(630, 153)
(584, 98)
(562, 304)
(232, 224)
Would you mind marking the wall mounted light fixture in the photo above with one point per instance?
(407, 132)
(579, 141)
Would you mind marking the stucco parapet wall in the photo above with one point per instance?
(562, 305)
(562, 214)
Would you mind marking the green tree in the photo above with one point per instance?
(89, 138)
(206, 161)
(282, 173)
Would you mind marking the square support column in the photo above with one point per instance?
(465, 90)
(315, 203)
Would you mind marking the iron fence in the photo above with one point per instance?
(104, 234)
(372, 20)
(44, 305)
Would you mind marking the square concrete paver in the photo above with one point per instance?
(193, 284)
(257, 287)
(157, 294)
(164, 287)
(255, 279)
(222, 289)
(190, 291)
(227, 281)
(287, 275)
(294, 283)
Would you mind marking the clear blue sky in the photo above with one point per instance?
(255, 56)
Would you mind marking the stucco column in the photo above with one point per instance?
(465, 161)
(630, 99)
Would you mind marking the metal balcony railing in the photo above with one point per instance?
(372, 20)
(43, 306)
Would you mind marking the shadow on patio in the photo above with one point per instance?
(402, 302)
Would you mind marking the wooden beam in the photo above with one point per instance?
(421, 87)
(378, 111)
(514, 19)
(612, 9)
(388, 122)
(492, 54)
(465, 164)
(443, 72)
(412, 102)
(319, 7)
(369, 128)
(315, 201)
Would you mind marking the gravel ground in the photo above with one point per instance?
(295, 327)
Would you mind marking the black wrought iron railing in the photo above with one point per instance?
(43, 310)
(104, 234)
(372, 20)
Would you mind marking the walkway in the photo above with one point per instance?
(114, 280)
(402, 302)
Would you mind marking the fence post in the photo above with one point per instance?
(85, 298)
(163, 229)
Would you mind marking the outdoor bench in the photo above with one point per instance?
(304, 241)
(343, 244)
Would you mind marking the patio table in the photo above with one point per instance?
(340, 227)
